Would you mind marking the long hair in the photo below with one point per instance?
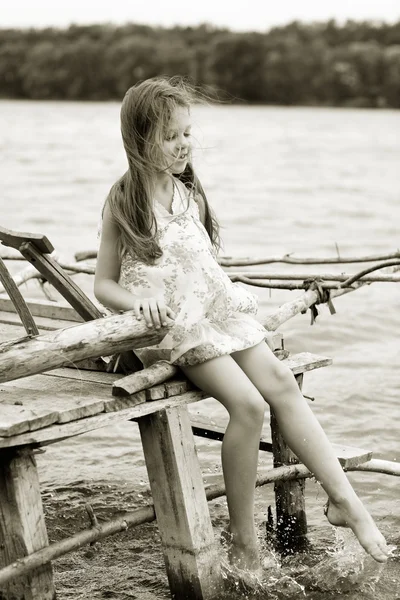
(145, 115)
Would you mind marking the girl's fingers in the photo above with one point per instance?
(170, 313)
(146, 314)
(154, 312)
(162, 309)
(137, 309)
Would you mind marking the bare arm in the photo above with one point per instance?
(106, 287)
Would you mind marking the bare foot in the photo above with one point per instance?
(353, 514)
(241, 555)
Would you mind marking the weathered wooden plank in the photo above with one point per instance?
(170, 388)
(190, 550)
(75, 373)
(305, 361)
(350, 457)
(18, 300)
(202, 426)
(154, 393)
(22, 525)
(16, 419)
(70, 401)
(57, 432)
(42, 323)
(177, 386)
(149, 377)
(14, 239)
(45, 309)
(160, 372)
(23, 276)
(118, 404)
(62, 282)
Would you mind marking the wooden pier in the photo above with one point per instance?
(43, 401)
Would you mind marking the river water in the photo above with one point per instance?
(307, 181)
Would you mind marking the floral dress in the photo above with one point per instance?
(213, 315)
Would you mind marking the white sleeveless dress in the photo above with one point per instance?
(213, 315)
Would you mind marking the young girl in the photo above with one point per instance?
(157, 257)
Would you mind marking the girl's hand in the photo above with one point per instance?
(155, 312)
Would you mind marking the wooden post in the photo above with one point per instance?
(190, 550)
(291, 520)
(22, 526)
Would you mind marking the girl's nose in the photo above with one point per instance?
(184, 141)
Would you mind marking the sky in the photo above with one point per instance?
(238, 15)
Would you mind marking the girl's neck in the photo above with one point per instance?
(164, 182)
(164, 190)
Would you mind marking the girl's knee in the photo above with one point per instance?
(281, 380)
(252, 410)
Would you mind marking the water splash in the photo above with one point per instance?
(341, 567)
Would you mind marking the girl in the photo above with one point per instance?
(157, 257)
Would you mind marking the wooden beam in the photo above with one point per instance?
(204, 427)
(17, 300)
(63, 283)
(22, 526)
(190, 551)
(131, 410)
(45, 309)
(14, 239)
(162, 371)
(101, 337)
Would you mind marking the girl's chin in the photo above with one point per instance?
(178, 167)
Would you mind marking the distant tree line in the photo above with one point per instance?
(356, 64)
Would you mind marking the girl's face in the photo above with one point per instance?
(176, 143)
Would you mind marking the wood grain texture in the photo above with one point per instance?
(190, 550)
(137, 407)
(65, 394)
(42, 323)
(45, 309)
(18, 300)
(62, 282)
(22, 526)
(100, 337)
(14, 239)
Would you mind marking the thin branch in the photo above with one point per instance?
(77, 267)
(359, 275)
(228, 261)
(259, 275)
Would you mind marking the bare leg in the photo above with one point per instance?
(306, 438)
(224, 380)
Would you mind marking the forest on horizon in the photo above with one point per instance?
(323, 63)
